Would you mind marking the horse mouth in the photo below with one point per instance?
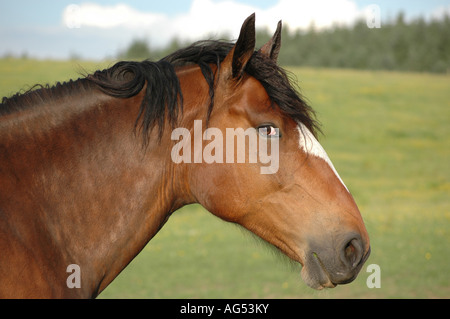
(315, 275)
(318, 276)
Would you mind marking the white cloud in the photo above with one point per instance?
(440, 12)
(120, 15)
(321, 13)
(207, 17)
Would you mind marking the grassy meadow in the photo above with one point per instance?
(388, 135)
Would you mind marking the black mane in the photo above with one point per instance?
(163, 93)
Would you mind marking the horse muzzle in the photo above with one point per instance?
(338, 264)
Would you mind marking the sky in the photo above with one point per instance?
(97, 29)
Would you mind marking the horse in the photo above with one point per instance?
(87, 178)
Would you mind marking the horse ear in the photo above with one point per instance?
(240, 54)
(273, 46)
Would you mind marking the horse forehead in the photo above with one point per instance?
(309, 144)
(254, 90)
(251, 98)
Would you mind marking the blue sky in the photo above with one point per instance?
(40, 28)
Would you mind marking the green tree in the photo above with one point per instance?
(417, 45)
(139, 49)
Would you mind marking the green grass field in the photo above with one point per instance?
(388, 135)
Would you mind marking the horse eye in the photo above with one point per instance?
(269, 130)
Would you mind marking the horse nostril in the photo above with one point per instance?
(352, 253)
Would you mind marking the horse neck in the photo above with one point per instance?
(88, 192)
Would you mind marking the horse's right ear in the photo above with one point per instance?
(236, 60)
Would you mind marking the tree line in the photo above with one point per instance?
(417, 45)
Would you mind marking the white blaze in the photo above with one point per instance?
(310, 145)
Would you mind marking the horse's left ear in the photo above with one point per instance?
(240, 54)
(272, 48)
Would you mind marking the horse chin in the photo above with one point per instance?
(315, 276)
(312, 281)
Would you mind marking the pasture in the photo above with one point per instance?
(388, 135)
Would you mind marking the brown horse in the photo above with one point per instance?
(87, 177)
